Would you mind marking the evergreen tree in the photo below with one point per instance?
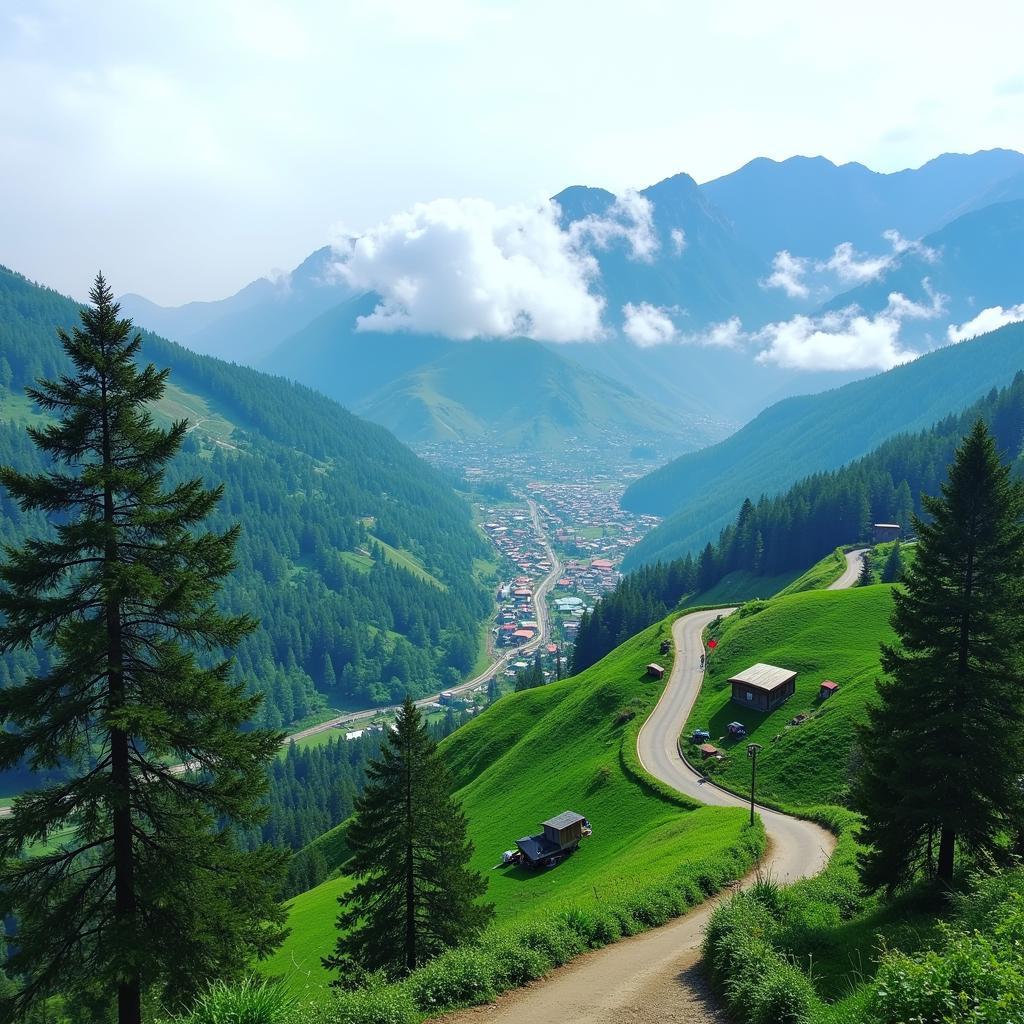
(866, 576)
(146, 889)
(414, 894)
(944, 747)
(892, 572)
(493, 693)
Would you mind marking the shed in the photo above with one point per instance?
(709, 750)
(564, 828)
(826, 689)
(655, 670)
(763, 687)
(736, 729)
(886, 531)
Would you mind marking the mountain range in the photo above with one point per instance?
(709, 264)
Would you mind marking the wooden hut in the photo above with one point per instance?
(655, 671)
(826, 689)
(763, 687)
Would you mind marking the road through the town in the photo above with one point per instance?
(654, 976)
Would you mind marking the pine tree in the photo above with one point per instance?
(866, 576)
(944, 747)
(414, 895)
(146, 889)
(892, 572)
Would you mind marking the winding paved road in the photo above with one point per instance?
(854, 563)
(654, 977)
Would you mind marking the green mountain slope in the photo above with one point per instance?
(518, 392)
(700, 492)
(311, 484)
(820, 634)
(566, 745)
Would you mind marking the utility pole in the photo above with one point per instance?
(752, 752)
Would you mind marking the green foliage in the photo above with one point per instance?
(306, 480)
(784, 534)
(145, 889)
(251, 1001)
(537, 753)
(950, 704)
(414, 895)
(813, 434)
(821, 635)
(975, 977)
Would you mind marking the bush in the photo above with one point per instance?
(515, 962)
(596, 924)
(459, 976)
(380, 1004)
(250, 1002)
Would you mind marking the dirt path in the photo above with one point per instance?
(654, 977)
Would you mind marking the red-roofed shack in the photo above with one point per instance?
(826, 689)
(709, 750)
(655, 670)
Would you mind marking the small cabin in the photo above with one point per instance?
(560, 833)
(882, 532)
(736, 730)
(826, 689)
(763, 687)
(655, 671)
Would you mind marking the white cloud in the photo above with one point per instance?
(470, 269)
(787, 273)
(646, 325)
(727, 334)
(987, 320)
(678, 237)
(852, 267)
(629, 218)
(846, 339)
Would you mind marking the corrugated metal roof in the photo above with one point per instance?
(763, 677)
(563, 820)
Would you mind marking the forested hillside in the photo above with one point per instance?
(700, 492)
(795, 529)
(324, 499)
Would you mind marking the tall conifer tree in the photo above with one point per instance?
(944, 747)
(415, 894)
(145, 889)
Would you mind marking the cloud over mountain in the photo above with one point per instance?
(467, 268)
(987, 320)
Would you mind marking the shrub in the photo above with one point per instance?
(595, 924)
(249, 1002)
(554, 938)
(515, 962)
(379, 1004)
(465, 974)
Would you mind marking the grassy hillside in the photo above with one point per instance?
(821, 635)
(566, 745)
(699, 492)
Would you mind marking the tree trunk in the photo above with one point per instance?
(129, 994)
(947, 846)
(410, 875)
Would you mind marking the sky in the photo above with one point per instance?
(187, 148)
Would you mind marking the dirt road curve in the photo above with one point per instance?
(654, 977)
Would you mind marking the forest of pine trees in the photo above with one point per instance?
(791, 531)
(310, 484)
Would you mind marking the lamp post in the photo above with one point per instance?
(752, 751)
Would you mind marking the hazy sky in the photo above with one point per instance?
(188, 147)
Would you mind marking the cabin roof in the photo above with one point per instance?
(535, 847)
(763, 677)
(563, 820)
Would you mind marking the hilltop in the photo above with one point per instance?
(570, 744)
(820, 634)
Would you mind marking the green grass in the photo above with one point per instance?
(566, 745)
(396, 556)
(178, 404)
(820, 575)
(357, 560)
(822, 635)
(19, 409)
(739, 586)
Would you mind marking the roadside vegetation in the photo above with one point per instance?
(567, 745)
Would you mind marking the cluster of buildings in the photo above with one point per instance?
(584, 519)
(517, 622)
